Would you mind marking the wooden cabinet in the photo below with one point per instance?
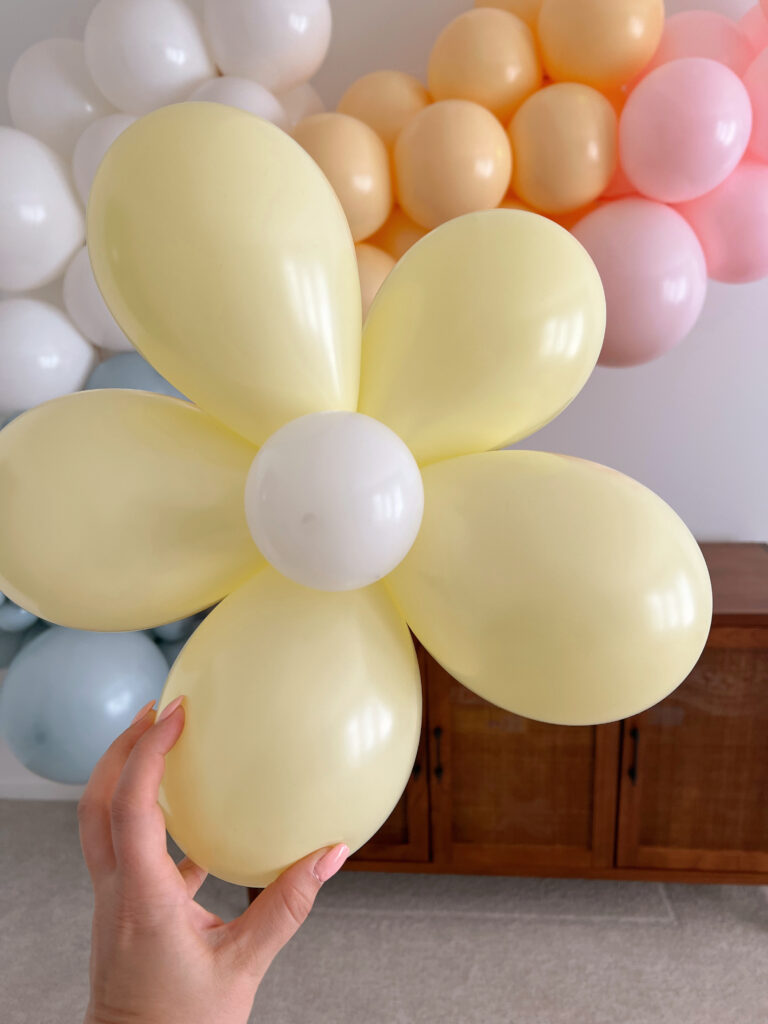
(680, 791)
(507, 790)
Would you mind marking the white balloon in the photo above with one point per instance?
(88, 310)
(245, 94)
(334, 500)
(52, 95)
(41, 221)
(42, 356)
(144, 54)
(300, 102)
(279, 43)
(91, 149)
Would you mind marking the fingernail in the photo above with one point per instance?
(330, 863)
(170, 708)
(143, 712)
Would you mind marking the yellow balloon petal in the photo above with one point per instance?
(224, 255)
(553, 587)
(122, 510)
(483, 332)
(303, 715)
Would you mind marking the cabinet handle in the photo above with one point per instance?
(634, 735)
(416, 770)
(437, 732)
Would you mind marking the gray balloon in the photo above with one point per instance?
(68, 694)
(130, 370)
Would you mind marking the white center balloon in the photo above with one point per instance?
(334, 500)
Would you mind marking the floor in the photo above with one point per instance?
(410, 949)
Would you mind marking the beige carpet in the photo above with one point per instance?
(409, 949)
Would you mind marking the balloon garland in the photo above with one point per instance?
(69, 101)
(330, 488)
(647, 138)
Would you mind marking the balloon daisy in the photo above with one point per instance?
(329, 493)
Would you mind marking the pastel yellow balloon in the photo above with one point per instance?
(481, 334)
(225, 256)
(487, 56)
(397, 234)
(355, 161)
(452, 158)
(303, 713)
(603, 43)
(555, 588)
(385, 101)
(373, 265)
(565, 141)
(122, 510)
(528, 10)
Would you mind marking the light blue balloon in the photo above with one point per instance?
(10, 645)
(14, 619)
(2, 597)
(182, 629)
(171, 650)
(69, 694)
(130, 370)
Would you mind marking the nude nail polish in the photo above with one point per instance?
(143, 712)
(170, 708)
(330, 863)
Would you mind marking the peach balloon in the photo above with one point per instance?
(487, 56)
(756, 82)
(654, 275)
(385, 101)
(397, 234)
(355, 161)
(603, 43)
(373, 265)
(704, 34)
(528, 10)
(754, 25)
(564, 140)
(451, 158)
(731, 222)
(512, 203)
(684, 129)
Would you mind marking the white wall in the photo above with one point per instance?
(693, 425)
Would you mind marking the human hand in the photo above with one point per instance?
(157, 957)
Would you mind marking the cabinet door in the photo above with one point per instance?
(404, 836)
(694, 788)
(509, 794)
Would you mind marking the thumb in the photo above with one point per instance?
(282, 908)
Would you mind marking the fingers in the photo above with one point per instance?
(193, 876)
(278, 913)
(93, 810)
(138, 826)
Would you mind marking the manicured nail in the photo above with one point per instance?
(143, 712)
(330, 863)
(170, 708)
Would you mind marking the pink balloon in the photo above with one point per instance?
(754, 25)
(683, 129)
(756, 82)
(732, 225)
(653, 273)
(704, 34)
(764, 5)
